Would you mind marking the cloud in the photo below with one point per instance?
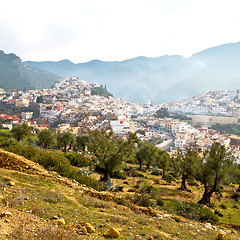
(115, 30)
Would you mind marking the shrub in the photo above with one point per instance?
(160, 202)
(223, 206)
(143, 200)
(218, 213)
(169, 178)
(196, 212)
(53, 161)
(78, 160)
(236, 196)
(156, 171)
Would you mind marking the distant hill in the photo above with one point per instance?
(16, 75)
(160, 79)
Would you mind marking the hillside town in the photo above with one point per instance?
(70, 106)
(226, 103)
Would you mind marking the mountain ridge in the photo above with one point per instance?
(16, 75)
(161, 79)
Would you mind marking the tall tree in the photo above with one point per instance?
(66, 139)
(162, 161)
(82, 142)
(46, 138)
(212, 169)
(146, 155)
(109, 151)
(235, 172)
(21, 131)
(185, 164)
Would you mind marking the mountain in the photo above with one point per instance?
(16, 75)
(160, 79)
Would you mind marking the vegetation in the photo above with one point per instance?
(185, 164)
(233, 128)
(101, 92)
(162, 113)
(146, 155)
(21, 131)
(21, 77)
(109, 151)
(212, 170)
(46, 138)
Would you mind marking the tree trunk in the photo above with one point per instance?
(183, 186)
(206, 198)
(141, 163)
(107, 173)
(65, 148)
(163, 173)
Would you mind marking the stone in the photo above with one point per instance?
(113, 232)
(60, 221)
(159, 216)
(90, 228)
(208, 226)
(5, 214)
(221, 235)
(167, 215)
(83, 230)
(55, 217)
(11, 183)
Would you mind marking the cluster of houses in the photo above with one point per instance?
(226, 103)
(70, 106)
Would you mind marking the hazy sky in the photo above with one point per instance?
(82, 30)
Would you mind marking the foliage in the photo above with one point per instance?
(53, 161)
(196, 212)
(143, 200)
(81, 142)
(39, 99)
(78, 160)
(160, 202)
(163, 160)
(181, 117)
(46, 138)
(109, 151)
(231, 128)
(162, 113)
(21, 131)
(109, 185)
(212, 169)
(65, 139)
(185, 165)
(101, 92)
(147, 155)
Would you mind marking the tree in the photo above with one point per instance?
(162, 113)
(162, 161)
(146, 154)
(236, 174)
(81, 142)
(212, 170)
(109, 151)
(21, 131)
(46, 138)
(65, 139)
(185, 164)
(39, 99)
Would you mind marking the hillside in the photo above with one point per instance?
(160, 79)
(37, 204)
(16, 75)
